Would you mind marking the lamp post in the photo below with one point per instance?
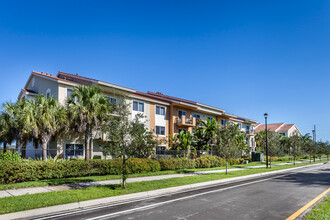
(266, 115)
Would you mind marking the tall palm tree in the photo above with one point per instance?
(44, 118)
(88, 109)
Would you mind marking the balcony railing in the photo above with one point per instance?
(250, 132)
(186, 121)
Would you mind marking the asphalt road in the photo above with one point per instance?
(270, 197)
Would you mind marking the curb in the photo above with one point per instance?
(122, 198)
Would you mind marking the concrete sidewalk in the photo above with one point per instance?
(43, 189)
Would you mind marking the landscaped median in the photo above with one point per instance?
(26, 202)
(321, 211)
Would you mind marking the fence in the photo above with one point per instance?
(98, 154)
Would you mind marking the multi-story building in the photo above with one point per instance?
(286, 130)
(163, 114)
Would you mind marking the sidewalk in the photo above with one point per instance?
(43, 189)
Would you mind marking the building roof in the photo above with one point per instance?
(276, 127)
(77, 79)
(29, 91)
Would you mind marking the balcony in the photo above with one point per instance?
(250, 132)
(186, 121)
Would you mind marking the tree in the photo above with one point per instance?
(228, 142)
(295, 143)
(307, 145)
(88, 110)
(44, 118)
(15, 123)
(274, 145)
(204, 134)
(125, 138)
(182, 141)
(7, 134)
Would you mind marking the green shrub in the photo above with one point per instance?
(31, 170)
(216, 161)
(202, 162)
(177, 164)
(9, 156)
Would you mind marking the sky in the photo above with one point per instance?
(247, 57)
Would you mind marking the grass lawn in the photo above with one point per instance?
(50, 182)
(321, 211)
(25, 202)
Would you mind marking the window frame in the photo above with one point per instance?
(138, 106)
(75, 155)
(160, 108)
(159, 130)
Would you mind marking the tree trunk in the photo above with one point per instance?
(314, 158)
(18, 144)
(4, 147)
(226, 166)
(44, 150)
(294, 160)
(124, 177)
(310, 158)
(87, 141)
(24, 152)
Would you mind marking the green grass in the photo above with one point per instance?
(26, 202)
(321, 211)
(52, 182)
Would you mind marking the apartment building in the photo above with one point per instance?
(286, 130)
(163, 114)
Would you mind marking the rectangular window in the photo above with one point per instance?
(74, 150)
(239, 125)
(160, 110)
(113, 100)
(138, 106)
(160, 130)
(68, 93)
(196, 116)
(247, 128)
(223, 121)
(210, 118)
(181, 113)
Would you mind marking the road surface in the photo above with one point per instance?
(270, 197)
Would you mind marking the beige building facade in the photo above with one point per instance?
(164, 115)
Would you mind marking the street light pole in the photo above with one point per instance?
(266, 140)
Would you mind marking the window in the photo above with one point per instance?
(138, 106)
(231, 123)
(184, 130)
(68, 93)
(160, 110)
(48, 93)
(239, 125)
(247, 127)
(196, 116)
(181, 113)
(223, 121)
(113, 100)
(74, 150)
(160, 130)
(210, 118)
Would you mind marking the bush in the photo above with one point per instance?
(9, 156)
(216, 161)
(177, 164)
(31, 170)
(203, 162)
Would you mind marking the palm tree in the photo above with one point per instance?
(6, 132)
(14, 119)
(204, 134)
(44, 118)
(88, 109)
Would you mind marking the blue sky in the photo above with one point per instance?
(247, 57)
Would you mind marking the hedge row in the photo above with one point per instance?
(32, 170)
(202, 162)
